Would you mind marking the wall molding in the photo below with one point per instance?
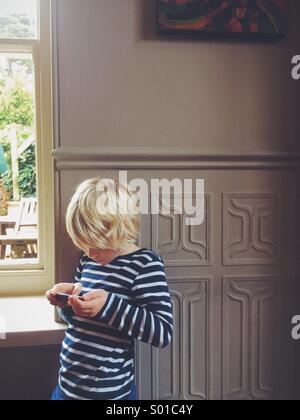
(182, 237)
(199, 293)
(252, 210)
(79, 158)
(251, 293)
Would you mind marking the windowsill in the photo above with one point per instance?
(29, 262)
(29, 322)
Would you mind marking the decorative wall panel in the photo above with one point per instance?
(248, 337)
(182, 371)
(181, 244)
(250, 229)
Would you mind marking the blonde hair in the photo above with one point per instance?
(92, 220)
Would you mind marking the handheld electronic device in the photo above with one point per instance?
(62, 297)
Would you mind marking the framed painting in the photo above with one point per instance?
(260, 18)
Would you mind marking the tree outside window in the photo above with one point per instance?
(17, 115)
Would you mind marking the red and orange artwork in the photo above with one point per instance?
(224, 16)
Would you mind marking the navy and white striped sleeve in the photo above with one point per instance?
(150, 318)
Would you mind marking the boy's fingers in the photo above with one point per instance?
(56, 290)
(78, 304)
(73, 300)
(77, 289)
(66, 288)
(50, 295)
(52, 301)
(93, 295)
(89, 297)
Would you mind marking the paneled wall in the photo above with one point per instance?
(170, 108)
(231, 281)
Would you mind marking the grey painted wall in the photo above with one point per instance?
(121, 84)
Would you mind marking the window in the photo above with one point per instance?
(26, 170)
(19, 19)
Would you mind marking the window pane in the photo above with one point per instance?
(18, 205)
(18, 19)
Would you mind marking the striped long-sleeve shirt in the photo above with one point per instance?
(97, 358)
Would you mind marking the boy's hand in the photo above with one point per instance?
(65, 288)
(90, 305)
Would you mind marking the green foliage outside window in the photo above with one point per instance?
(17, 112)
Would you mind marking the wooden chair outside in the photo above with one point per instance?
(21, 241)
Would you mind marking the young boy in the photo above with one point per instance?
(120, 295)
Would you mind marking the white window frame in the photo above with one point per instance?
(35, 279)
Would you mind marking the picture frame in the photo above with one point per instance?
(224, 19)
